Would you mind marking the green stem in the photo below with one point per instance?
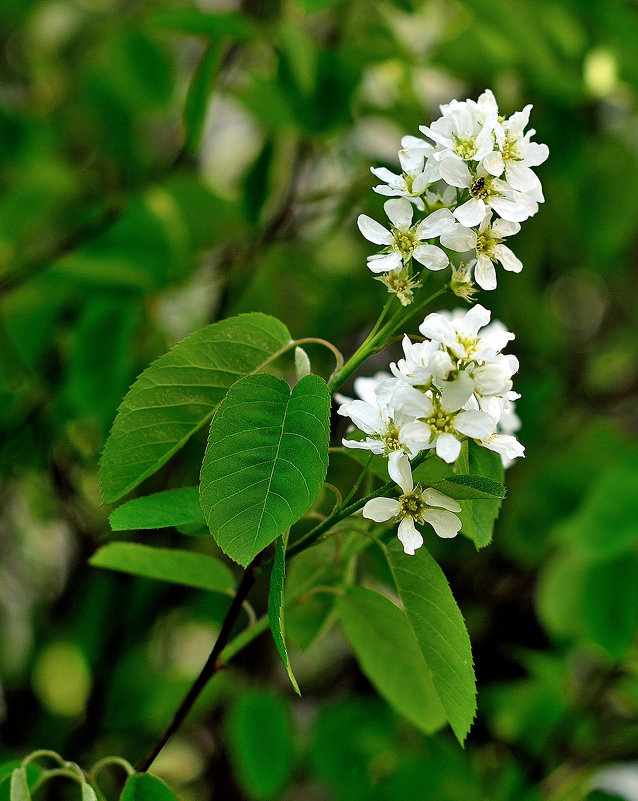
(380, 318)
(357, 483)
(42, 753)
(376, 340)
(344, 511)
(110, 760)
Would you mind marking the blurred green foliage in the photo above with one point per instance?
(167, 164)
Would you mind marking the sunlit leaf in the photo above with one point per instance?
(386, 648)
(265, 462)
(144, 787)
(276, 606)
(478, 516)
(440, 631)
(165, 564)
(471, 488)
(178, 394)
(176, 507)
(19, 786)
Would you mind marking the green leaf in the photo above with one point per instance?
(606, 523)
(176, 507)
(386, 648)
(32, 771)
(178, 394)
(276, 606)
(144, 787)
(471, 488)
(265, 462)
(559, 593)
(307, 614)
(88, 793)
(610, 604)
(440, 632)
(19, 786)
(260, 744)
(165, 564)
(478, 516)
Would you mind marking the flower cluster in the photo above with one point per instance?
(474, 184)
(455, 384)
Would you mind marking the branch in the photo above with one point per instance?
(213, 663)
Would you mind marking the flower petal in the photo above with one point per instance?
(446, 524)
(494, 163)
(509, 209)
(373, 231)
(416, 436)
(435, 224)
(535, 153)
(381, 509)
(521, 178)
(374, 445)
(364, 415)
(431, 257)
(509, 261)
(504, 444)
(471, 212)
(477, 317)
(474, 424)
(390, 178)
(455, 393)
(455, 172)
(505, 228)
(448, 447)
(437, 327)
(399, 211)
(435, 498)
(400, 470)
(485, 273)
(459, 238)
(384, 262)
(409, 536)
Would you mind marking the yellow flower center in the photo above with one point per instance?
(510, 150)
(464, 147)
(412, 504)
(405, 242)
(440, 422)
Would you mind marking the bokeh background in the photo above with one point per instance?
(166, 164)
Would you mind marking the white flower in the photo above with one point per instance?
(463, 133)
(516, 154)
(422, 361)
(459, 333)
(486, 192)
(377, 417)
(365, 388)
(442, 424)
(415, 505)
(506, 445)
(488, 247)
(416, 176)
(404, 241)
(502, 441)
(495, 376)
